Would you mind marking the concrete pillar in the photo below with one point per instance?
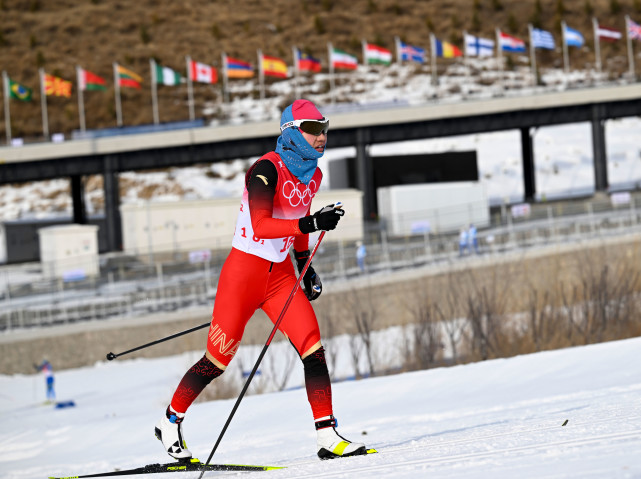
(78, 200)
(527, 155)
(112, 204)
(365, 175)
(598, 149)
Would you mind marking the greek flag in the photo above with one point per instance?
(542, 39)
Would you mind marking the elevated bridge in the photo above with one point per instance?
(109, 156)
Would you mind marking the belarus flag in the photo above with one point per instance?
(375, 55)
(341, 59)
(202, 73)
(511, 44)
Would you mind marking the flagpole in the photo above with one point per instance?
(81, 99)
(466, 58)
(566, 66)
(597, 44)
(261, 75)
(190, 90)
(117, 95)
(532, 56)
(332, 84)
(499, 49)
(7, 99)
(399, 60)
(433, 48)
(154, 90)
(630, 53)
(225, 92)
(43, 104)
(296, 72)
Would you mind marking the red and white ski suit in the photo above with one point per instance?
(258, 272)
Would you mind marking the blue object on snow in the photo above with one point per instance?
(64, 404)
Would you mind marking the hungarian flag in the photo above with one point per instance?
(167, 76)
(375, 55)
(56, 86)
(90, 81)
(273, 66)
(127, 78)
(307, 62)
(608, 34)
(341, 59)
(18, 91)
(202, 73)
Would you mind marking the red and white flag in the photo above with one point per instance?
(202, 73)
(608, 34)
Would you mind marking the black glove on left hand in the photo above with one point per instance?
(311, 281)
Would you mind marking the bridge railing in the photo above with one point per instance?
(137, 288)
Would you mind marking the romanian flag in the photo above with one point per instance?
(307, 62)
(56, 86)
(127, 78)
(446, 50)
(238, 68)
(274, 67)
(18, 91)
(90, 81)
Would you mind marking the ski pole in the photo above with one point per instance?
(111, 356)
(262, 353)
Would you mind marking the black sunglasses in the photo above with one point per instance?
(313, 127)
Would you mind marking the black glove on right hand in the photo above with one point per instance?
(325, 219)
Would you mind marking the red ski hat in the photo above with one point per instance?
(305, 110)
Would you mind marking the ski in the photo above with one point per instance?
(183, 466)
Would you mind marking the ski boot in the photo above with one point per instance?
(332, 445)
(169, 431)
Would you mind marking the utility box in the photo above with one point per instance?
(69, 252)
(433, 207)
(198, 225)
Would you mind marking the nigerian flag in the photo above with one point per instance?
(167, 76)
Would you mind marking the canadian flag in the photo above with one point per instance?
(202, 73)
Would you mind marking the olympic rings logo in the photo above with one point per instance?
(297, 195)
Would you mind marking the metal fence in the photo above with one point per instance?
(130, 287)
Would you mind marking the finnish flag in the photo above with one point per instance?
(478, 47)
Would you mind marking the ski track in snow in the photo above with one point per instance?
(499, 419)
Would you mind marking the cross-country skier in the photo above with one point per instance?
(47, 369)
(274, 215)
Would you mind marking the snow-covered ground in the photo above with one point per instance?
(500, 419)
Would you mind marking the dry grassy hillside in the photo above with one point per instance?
(58, 35)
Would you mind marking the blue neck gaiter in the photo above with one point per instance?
(299, 156)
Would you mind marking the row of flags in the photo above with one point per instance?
(234, 68)
(339, 59)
